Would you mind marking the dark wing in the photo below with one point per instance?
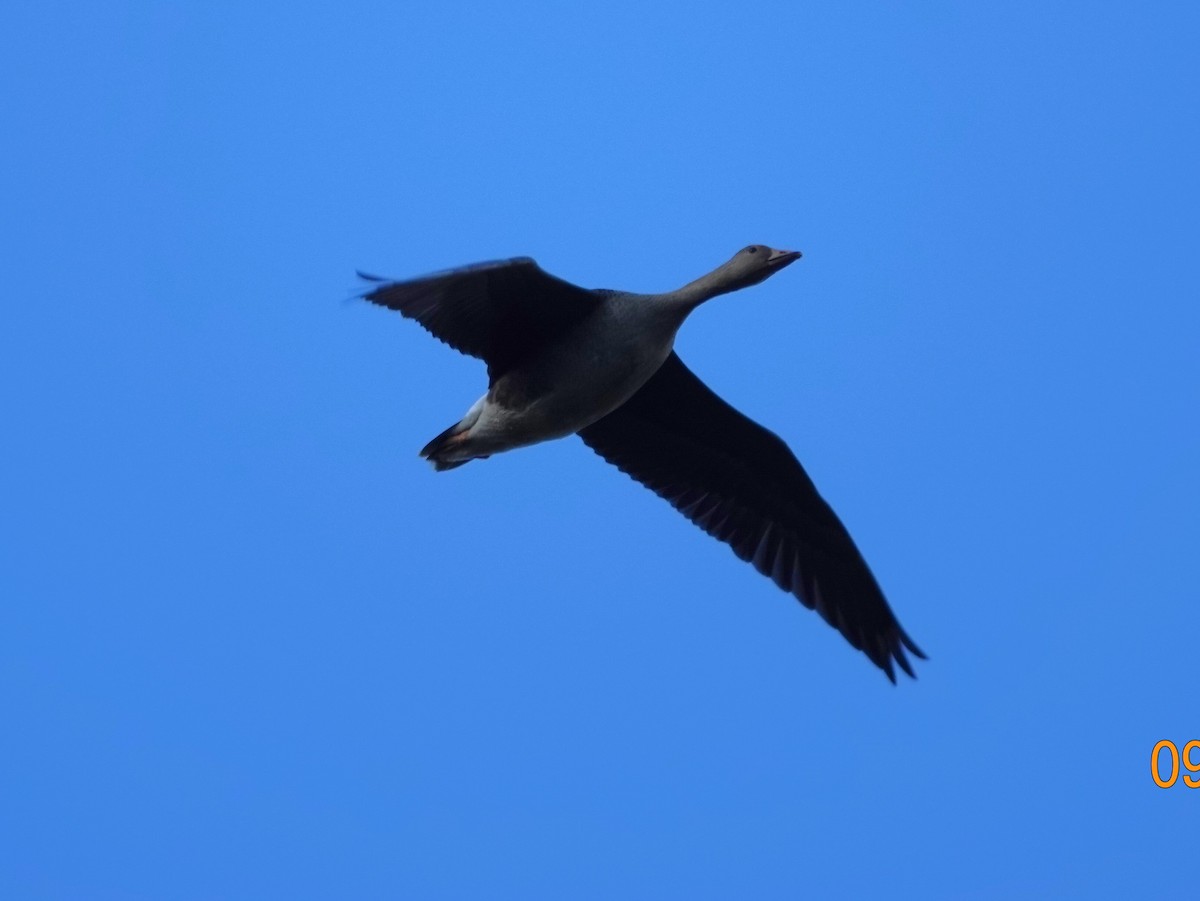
(500, 311)
(741, 484)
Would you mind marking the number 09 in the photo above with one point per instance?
(1191, 781)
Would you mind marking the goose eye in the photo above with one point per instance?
(752, 250)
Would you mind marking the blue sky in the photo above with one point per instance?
(252, 647)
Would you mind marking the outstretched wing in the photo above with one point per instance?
(500, 311)
(742, 485)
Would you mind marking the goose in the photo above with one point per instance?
(564, 360)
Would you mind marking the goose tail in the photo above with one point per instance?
(451, 449)
(441, 449)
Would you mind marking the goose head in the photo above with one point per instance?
(749, 266)
(753, 264)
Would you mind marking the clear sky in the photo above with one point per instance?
(251, 647)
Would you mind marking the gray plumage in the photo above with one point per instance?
(564, 360)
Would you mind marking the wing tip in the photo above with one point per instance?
(371, 288)
(895, 649)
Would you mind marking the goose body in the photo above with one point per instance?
(594, 368)
(566, 360)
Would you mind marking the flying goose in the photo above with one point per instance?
(567, 360)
